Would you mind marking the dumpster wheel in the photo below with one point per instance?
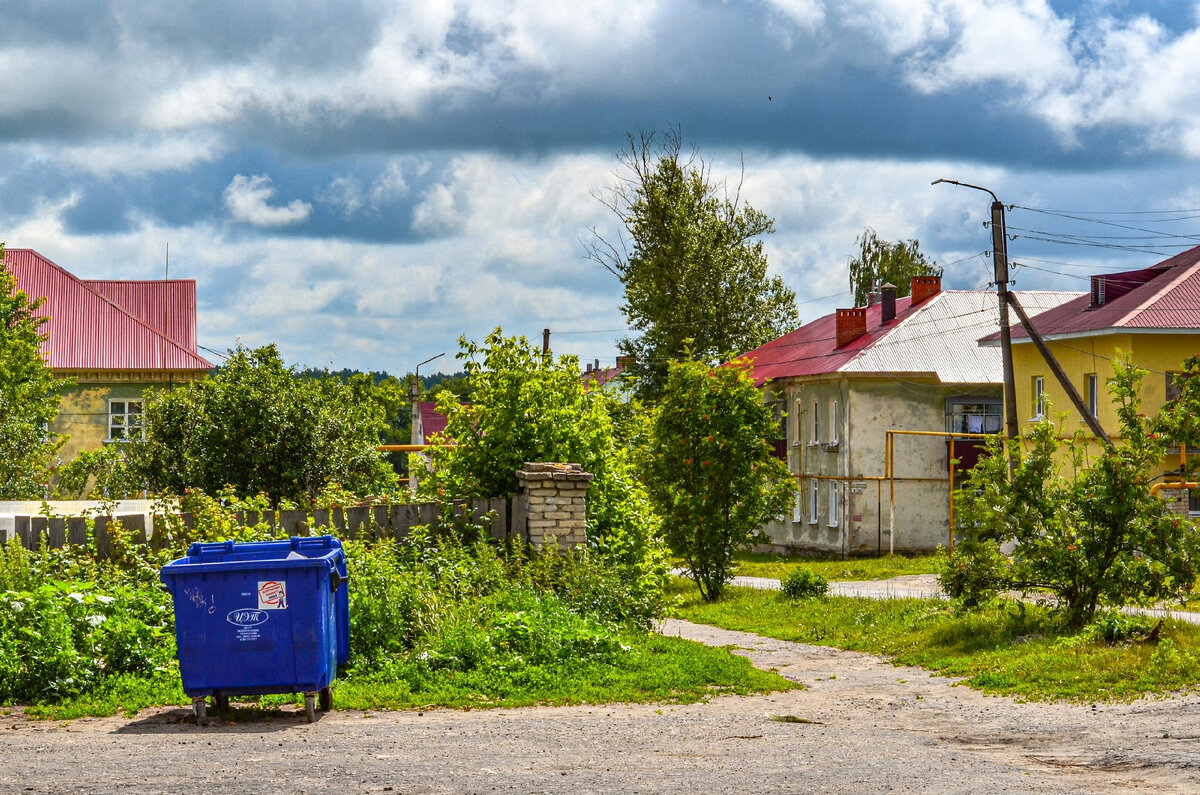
(326, 699)
(310, 706)
(200, 705)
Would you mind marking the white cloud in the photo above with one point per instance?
(136, 155)
(246, 199)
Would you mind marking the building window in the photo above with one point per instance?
(799, 412)
(834, 507)
(124, 420)
(1194, 502)
(1039, 397)
(1093, 394)
(812, 501)
(798, 507)
(974, 415)
(816, 424)
(834, 422)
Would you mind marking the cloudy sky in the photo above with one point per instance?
(363, 182)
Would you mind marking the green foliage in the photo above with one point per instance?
(29, 395)
(59, 639)
(802, 583)
(257, 426)
(694, 270)
(432, 620)
(100, 473)
(1089, 533)
(1114, 626)
(1179, 420)
(1024, 650)
(709, 470)
(881, 262)
(529, 407)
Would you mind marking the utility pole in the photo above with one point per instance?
(545, 342)
(1000, 271)
(1056, 368)
(1000, 260)
(417, 433)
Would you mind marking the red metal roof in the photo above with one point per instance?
(91, 329)
(1165, 297)
(156, 303)
(600, 376)
(432, 420)
(812, 349)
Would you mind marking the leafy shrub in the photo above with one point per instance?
(62, 638)
(1114, 626)
(1088, 532)
(803, 583)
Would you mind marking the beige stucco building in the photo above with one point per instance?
(842, 382)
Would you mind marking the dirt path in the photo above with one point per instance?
(877, 728)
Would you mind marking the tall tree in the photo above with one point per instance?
(29, 394)
(691, 259)
(709, 469)
(880, 262)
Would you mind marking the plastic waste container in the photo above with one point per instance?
(263, 617)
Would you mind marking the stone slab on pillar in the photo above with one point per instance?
(555, 503)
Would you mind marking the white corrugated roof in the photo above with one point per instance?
(942, 336)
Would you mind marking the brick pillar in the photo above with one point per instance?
(556, 503)
(1177, 500)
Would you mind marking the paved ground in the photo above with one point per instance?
(868, 727)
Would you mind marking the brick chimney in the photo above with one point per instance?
(924, 287)
(851, 324)
(887, 313)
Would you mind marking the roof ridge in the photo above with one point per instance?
(1186, 273)
(82, 283)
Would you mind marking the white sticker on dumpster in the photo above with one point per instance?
(272, 595)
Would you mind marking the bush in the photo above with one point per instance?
(709, 470)
(1087, 531)
(803, 584)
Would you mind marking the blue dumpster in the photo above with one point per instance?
(265, 617)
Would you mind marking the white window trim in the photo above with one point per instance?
(835, 419)
(834, 506)
(125, 415)
(1039, 397)
(799, 412)
(1093, 393)
(798, 507)
(813, 513)
(816, 424)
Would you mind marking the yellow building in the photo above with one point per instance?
(1152, 315)
(113, 340)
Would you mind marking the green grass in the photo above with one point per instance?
(654, 669)
(776, 566)
(1009, 649)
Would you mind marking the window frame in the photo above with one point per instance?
(835, 418)
(834, 504)
(1039, 397)
(814, 515)
(1093, 394)
(816, 424)
(125, 415)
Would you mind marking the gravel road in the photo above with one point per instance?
(874, 728)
